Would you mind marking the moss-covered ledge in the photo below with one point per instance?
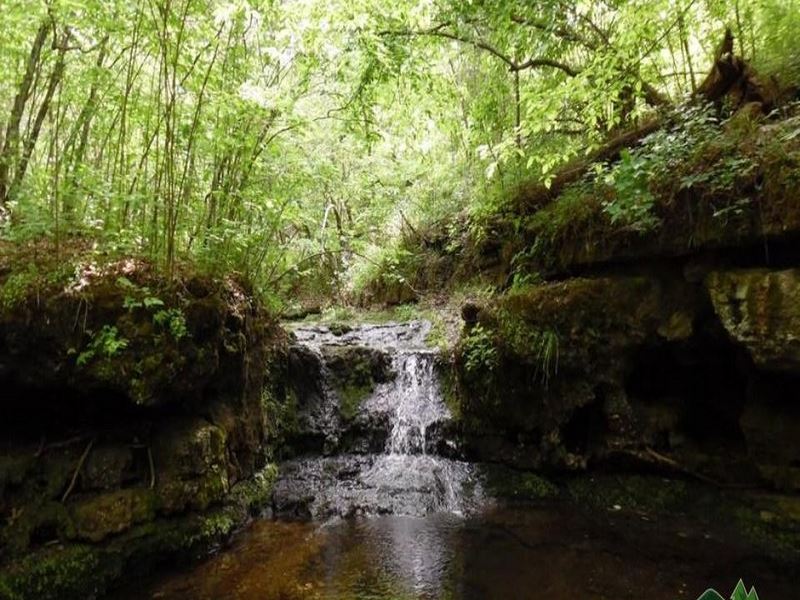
(85, 571)
(137, 417)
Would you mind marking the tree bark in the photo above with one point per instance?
(11, 141)
(33, 136)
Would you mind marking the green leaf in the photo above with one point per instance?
(151, 302)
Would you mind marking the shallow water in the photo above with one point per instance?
(425, 526)
(550, 552)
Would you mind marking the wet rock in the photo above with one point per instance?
(355, 370)
(98, 517)
(191, 465)
(345, 485)
(106, 467)
(760, 309)
(771, 426)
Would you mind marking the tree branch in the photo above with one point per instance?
(533, 63)
(438, 31)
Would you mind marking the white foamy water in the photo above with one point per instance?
(408, 478)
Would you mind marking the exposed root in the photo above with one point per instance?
(152, 468)
(650, 457)
(78, 470)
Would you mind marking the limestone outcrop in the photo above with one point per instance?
(136, 411)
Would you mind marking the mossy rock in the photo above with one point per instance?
(98, 517)
(356, 370)
(510, 484)
(768, 522)
(85, 572)
(760, 309)
(74, 572)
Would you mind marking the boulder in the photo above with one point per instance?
(100, 516)
(760, 309)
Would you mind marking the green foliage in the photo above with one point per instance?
(281, 416)
(173, 321)
(540, 345)
(298, 144)
(138, 296)
(170, 320)
(632, 205)
(17, 286)
(103, 344)
(479, 351)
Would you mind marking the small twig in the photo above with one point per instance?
(58, 445)
(78, 470)
(651, 456)
(152, 468)
(40, 449)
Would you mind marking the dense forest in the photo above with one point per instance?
(420, 299)
(297, 142)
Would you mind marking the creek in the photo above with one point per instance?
(378, 504)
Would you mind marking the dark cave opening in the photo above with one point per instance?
(691, 392)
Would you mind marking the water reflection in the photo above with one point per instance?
(529, 552)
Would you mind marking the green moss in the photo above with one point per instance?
(254, 495)
(111, 513)
(449, 387)
(14, 467)
(509, 484)
(763, 521)
(351, 397)
(280, 414)
(81, 572)
(42, 517)
(356, 370)
(631, 492)
(30, 279)
(76, 572)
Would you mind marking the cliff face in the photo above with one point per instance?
(135, 411)
(656, 367)
(648, 315)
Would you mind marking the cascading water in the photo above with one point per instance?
(406, 474)
(418, 402)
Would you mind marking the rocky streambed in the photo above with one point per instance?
(601, 421)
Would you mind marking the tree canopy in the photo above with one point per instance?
(292, 141)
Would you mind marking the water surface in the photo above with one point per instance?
(545, 552)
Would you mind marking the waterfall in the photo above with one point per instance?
(418, 401)
(407, 414)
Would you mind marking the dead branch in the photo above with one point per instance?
(78, 470)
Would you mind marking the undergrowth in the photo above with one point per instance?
(700, 171)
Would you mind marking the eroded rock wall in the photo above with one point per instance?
(673, 367)
(135, 421)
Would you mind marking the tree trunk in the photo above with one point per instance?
(33, 136)
(11, 142)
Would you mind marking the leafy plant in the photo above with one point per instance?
(139, 296)
(632, 205)
(172, 320)
(479, 351)
(103, 344)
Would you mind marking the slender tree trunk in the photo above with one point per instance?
(33, 136)
(11, 140)
(517, 110)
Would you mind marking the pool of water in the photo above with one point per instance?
(542, 552)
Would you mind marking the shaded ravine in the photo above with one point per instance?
(404, 473)
(420, 524)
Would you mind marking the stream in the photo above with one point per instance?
(387, 511)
